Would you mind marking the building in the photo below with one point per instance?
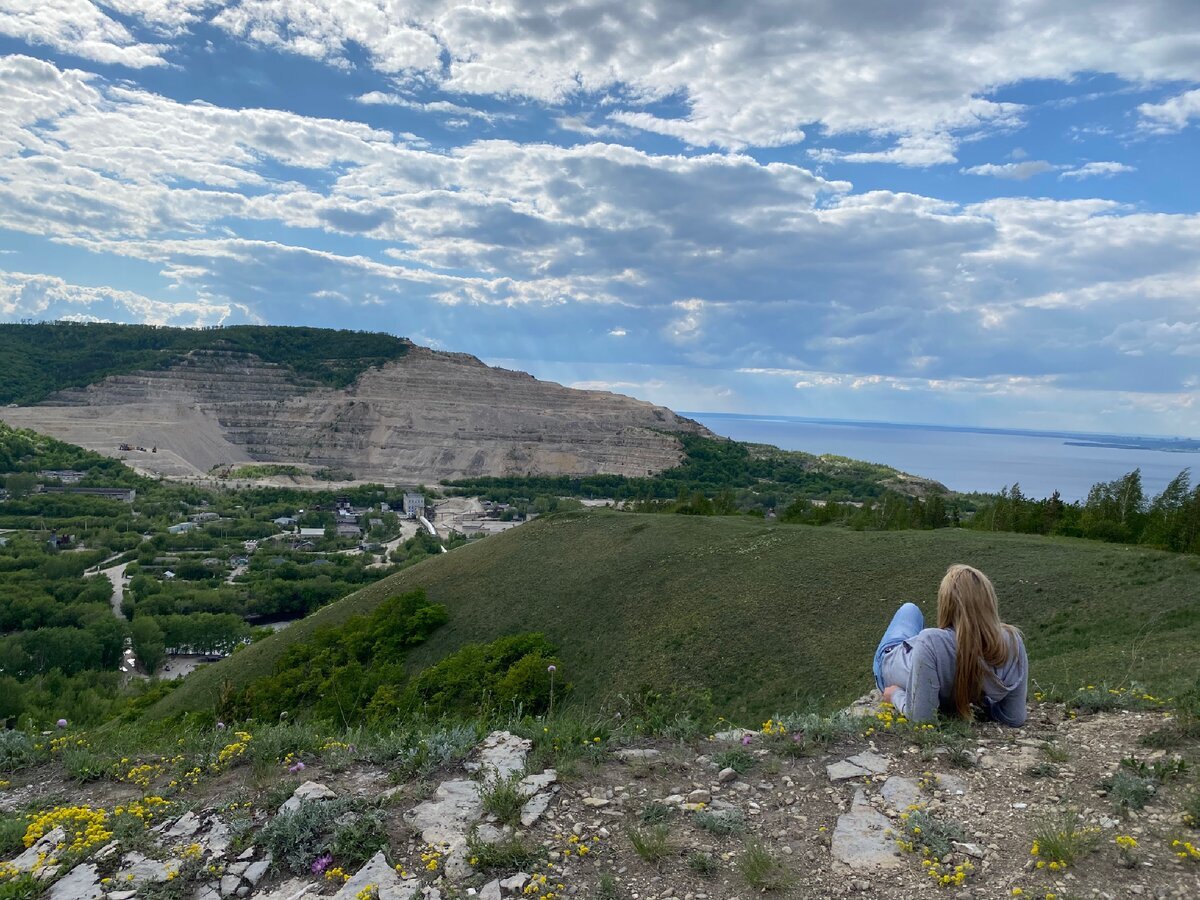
(312, 532)
(66, 476)
(285, 521)
(182, 528)
(414, 504)
(204, 517)
(348, 529)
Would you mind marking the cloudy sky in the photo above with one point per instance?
(931, 211)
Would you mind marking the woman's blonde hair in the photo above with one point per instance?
(967, 603)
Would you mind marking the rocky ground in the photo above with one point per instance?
(865, 806)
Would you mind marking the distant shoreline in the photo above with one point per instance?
(1072, 438)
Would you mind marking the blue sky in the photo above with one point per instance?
(921, 212)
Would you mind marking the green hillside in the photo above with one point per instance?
(38, 360)
(767, 617)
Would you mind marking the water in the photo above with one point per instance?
(962, 459)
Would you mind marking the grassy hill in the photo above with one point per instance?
(38, 360)
(768, 617)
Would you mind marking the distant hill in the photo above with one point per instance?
(40, 360)
(372, 405)
(767, 617)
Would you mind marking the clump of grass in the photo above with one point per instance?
(12, 833)
(82, 765)
(762, 871)
(723, 822)
(738, 760)
(1135, 783)
(358, 838)
(1060, 840)
(652, 843)
(1055, 753)
(703, 864)
(1191, 809)
(606, 886)
(22, 887)
(654, 813)
(296, 838)
(509, 854)
(1042, 770)
(933, 836)
(503, 798)
(1102, 698)
(16, 750)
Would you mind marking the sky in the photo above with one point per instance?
(933, 212)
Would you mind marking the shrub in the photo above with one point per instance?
(654, 813)
(503, 798)
(762, 871)
(703, 864)
(738, 760)
(1061, 840)
(12, 830)
(652, 843)
(297, 838)
(728, 821)
(357, 840)
(509, 854)
(16, 750)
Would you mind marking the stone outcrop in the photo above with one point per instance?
(425, 417)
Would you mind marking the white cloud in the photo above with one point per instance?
(440, 107)
(46, 297)
(618, 332)
(1017, 171)
(1171, 115)
(1097, 170)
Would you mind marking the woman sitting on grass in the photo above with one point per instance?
(971, 659)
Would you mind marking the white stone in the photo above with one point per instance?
(255, 873)
(185, 826)
(872, 762)
(860, 840)
(490, 891)
(515, 883)
(533, 809)
(501, 754)
(307, 792)
(387, 881)
(217, 840)
(727, 775)
(648, 755)
(230, 884)
(81, 883)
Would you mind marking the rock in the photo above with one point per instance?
(237, 868)
(217, 839)
(185, 826)
(81, 883)
(872, 762)
(387, 881)
(951, 784)
(500, 755)
(860, 840)
(531, 784)
(308, 792)
(627, 756)
(514, 884)
(843, 770)
(255, 873)
(129, 895)
(144, 869)
(490, 891)
(594, 801)
(204, 892)
(900, 792)
(230, 884)
(735, 734)
(700, 796)
(727, 775)
(533, 808)
(970, 849)
(292, 889)
(44, 845)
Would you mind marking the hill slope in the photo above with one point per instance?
(768, 617)
(302, 397)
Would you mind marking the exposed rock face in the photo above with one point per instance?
(426, 417)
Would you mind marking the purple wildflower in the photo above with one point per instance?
(746, 739)
(296, 767)
(321, 863)
(62, 723)
(552, 669)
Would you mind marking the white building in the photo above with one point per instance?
(414, 504)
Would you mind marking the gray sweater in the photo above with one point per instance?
(929, 658)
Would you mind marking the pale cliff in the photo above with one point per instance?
(425, 417)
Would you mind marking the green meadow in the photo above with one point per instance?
(765, 617)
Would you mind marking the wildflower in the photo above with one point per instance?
(746, 739)
(220, 726)
(298, 766)
(321, 863)
(62, 723)
(552, 668)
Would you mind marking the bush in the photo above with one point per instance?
(16, 751)
(297, 838)
(503, 798)
(729, 821)
(762, 871)
(652, 843)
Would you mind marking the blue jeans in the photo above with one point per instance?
(906, 623)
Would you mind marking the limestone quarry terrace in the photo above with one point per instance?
(1093, 797)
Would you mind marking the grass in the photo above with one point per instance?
(606, 886)
(503, 798)
(639, 600)
(509, 854)
(652, 843)
(762, 871)
(738, 760)
(703, 864)
(656, 813)
(1060, 840)
(728, 821)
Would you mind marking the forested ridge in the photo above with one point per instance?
(40, 359)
